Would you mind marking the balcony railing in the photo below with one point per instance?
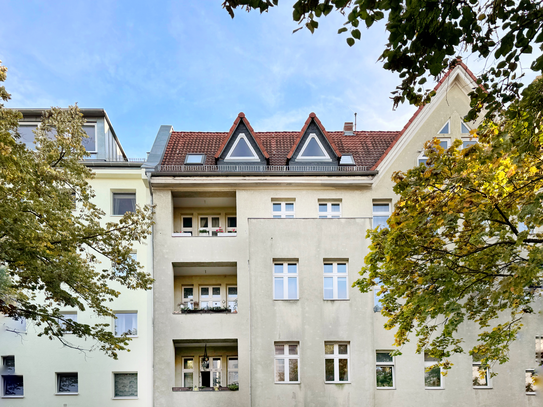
(274, 169)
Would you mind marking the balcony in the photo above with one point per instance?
(204, 214)
(200, 170)
(206, 365)
(205, 288)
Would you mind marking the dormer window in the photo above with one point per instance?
(195, 159)
(313, 150)
(347, 159)
(242, 150)
(445, 129)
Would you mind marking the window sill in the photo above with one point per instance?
(13, 397)
(337, 382)
(286, 299)
(434, 388)
(281, 383)
(385, 388)
(482, 388)
(336, 299)
(128, 336)
(66, 394)
(124, 398)
(531, 394)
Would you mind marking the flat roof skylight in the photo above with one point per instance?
(195, 159)
(347, 159)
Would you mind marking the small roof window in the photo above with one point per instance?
(347, 159)
(195, 159)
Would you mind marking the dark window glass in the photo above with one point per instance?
(187, 222)
(90, 142)
(313, 149)
(13, 385)
(242, 150)
(232, 222)
(123, 203)
(67, 383)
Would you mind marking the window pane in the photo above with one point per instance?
(292, 287)
(187, 222)
(335, 207)
(278, 268)
(328, 288)
(328, 349)
(378, 208)
(432, 377)
(216, 379)
(293, 370)
(279, 370)
(279, 293)
(342, 287)
(204, 291)
(233, 377)
(216, 291)
(126, 385)
(67, 383)
(194, 159)
(188, 293)
(465, 129)
(232, 291)
(530, 385)
(123, 203)
(384, 376)
(444, 144)
(232, 363)
(242, 150)
(13, 385)
(380, 221)
(343, 370)
(328, 268)
(215, 222)
(289, 207)
(323, 208)
(445, 129)
(203, 223)
(292, 268)
(342, 268)
(289, 216)
(329, 370)
(422, 160)
(279, 349)
(479, 376)
(313, 149)
(126, 324)
(276, 207)
(468, 143)
(188, 379)
(277, 216)
(188, 364)
(383, 357)
(343, 349)
(216, 363)
(292, 349)
(90, 142)
(232, 221)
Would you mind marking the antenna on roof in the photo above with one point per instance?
(354, 121)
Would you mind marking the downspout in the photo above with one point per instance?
(148, 174)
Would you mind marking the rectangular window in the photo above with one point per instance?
(233, 376)
(8, 362)
(69, 315)
(188, 297)
(433, 379)
(336, 362)
(12, 386)
(466, 142)
(539, 350)
(377, 304)
(188, 372)
(283, 209)
(67, 383)
(195, 159)
(125, 385)
(232, 297)
(381, 213)
(126, 324)
(122, 203)
(329, 210)
(186, 224)
(231, 224)
(215, 372)
(530, 381)
(480, 375)
(335, 281)
(287, 358)
(210, 297)
(444, 143)
(384, 370)
(285, 281)
(209, 225)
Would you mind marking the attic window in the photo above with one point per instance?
(194, 159)
(242, 150)
(445, 129)
(313, 150)
(347, 159)
(465, 129)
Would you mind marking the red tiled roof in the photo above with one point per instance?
(365, 146)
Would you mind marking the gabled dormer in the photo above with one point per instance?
(313, 146)
(241, 146)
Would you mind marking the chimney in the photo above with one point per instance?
(348, 129)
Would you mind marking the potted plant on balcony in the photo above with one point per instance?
(203, 232)
(234, 386)
(221, 232)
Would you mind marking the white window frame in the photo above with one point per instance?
(90, 124)
(189, 302)
(115, 323)
(386, 364)
(14, 396)
(125, 397)
(210, 228)
(228, 228)
(467, 127)
(539, 350)
(211, 370)
(329, 213)
(183, 371)
(285, 275)
(532, 374)
(232, 299)
(427, 364)
(442, 127)
(231, 370)
(313, 158)
(244, 159)
(334, 275)
(66, 393)
(346, 160)
(283, 213)
(187, 229)
(286, 357)
(214, 300)
(202, 158)
(336, 356)
(377, 214)
(441, 139)
(487, 375)
(468, 139)
(119, 192)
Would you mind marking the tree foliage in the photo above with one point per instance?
(53, 237)
(426, 36)
(465, 240)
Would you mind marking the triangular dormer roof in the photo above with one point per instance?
(313, 118)
(239, 120)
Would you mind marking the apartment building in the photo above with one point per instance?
(258, 239)
(39, 372)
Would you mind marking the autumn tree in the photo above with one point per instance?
(52, 235)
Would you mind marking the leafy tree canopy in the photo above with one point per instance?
(52, 235)
(425, 36)
(465, 239)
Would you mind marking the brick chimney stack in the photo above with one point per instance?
(348, 129)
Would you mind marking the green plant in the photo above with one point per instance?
(234, 386)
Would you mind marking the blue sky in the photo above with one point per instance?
(188, 64)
